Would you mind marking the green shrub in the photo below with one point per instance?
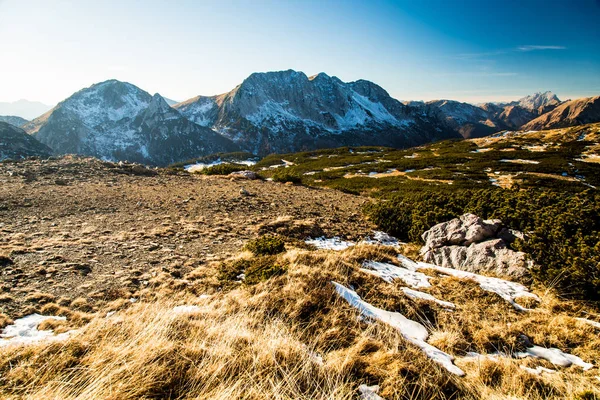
(266, 245)
(263, 268)
(223, 169)
(587, 395)
(255, 270)
(563, 228)
(284, 176)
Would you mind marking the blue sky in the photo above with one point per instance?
(416, 49)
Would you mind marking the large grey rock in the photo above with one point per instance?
(471, 244)
(251, 175)
(463, 231)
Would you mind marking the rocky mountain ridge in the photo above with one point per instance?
(289, 111)
(574, 112)
(272, 112)
(485, 119)
(115, 120)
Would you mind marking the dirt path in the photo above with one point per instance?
(80, 227)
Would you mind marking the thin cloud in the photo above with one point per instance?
(484, 74)
(519, 49)
(531, 47)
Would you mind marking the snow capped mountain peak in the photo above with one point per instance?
(291, 109)
(108, 101)
(539, 99)
(116, 120)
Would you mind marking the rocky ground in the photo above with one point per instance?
(81, 228)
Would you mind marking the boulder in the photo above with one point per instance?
(471, 244)
(251, 175)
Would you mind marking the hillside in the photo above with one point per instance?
(15, 144)
(154, 283)
(562, 158)
(13, 120)
(575, 112)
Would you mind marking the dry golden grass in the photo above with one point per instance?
(292, 337)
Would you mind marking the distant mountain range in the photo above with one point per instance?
(278, 112)
(24, 108)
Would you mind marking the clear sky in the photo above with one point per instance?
(416, 49)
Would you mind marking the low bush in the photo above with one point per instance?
(563, 228)
(254, 270)
(284, 176)
(223, 169)
(266, 245)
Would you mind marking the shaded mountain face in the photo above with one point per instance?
(287, 111)
(570, 113)
(117, 121)
(466, 119)
(16, 144)
(13, 120)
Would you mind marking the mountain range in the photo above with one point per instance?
(279, 112)
(24, 108)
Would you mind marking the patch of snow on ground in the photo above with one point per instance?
(474, 356)
(334, 243)
(537, 148)
(412, 331)
(508, 290)
(186, 309)
(369, 392)
(415, 294)
(24, 331)
(538, 370)
(200, 166)
(519, 161)
(555, 356)
(382, 239)
(589, 322)
(390, 272)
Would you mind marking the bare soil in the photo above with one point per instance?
(79, 227)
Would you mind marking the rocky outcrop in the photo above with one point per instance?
(471, 244)
(15, 144)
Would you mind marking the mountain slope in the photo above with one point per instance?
(13, 120)
(288, 111)
(117, 121)
(16, 144)
(466, 119)
(574, 112)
